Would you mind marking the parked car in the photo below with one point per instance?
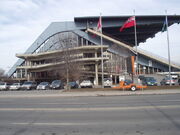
(179, 81)
(57, 84)
(141, 77)
(167, 80)
(149, 81)
(29, 85)
(43, 86)
(73, 85)
(127, 82)
(173, 76)
(15, 86)
(86, 84)
(4, 85)
(108, 82)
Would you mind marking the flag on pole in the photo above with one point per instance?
(164, 28)
(99, 25)
(129, 23)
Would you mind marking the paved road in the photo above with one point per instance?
(103, 115)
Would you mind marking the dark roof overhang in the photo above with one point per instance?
(147, 26)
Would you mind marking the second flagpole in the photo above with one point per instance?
(102, 65)
(169, 56)
(135, 33)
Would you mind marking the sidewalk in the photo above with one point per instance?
(120, 93)
(60, 93)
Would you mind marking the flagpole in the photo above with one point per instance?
(135, 33)
(102, 65)
(169, 58)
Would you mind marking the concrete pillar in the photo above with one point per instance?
(152, 70)
(21, 74)
(16, 74)
(28, 63)
(96, 70)
(96, 74)
(81, 41)
(157, 70)
(25, 73)
(144, 69)
(28, 76)
(148, 70)
(139, 68)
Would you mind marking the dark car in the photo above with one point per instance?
(29, 85)
(73, 85)
(149, 81)
(43, 86)
(57, 84)
(141, 77)
(127, 82)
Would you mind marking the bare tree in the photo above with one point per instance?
(70, 69)
(2, 74)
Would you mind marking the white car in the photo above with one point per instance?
(43, 86)
(15, 86)
(4, 86)
(107, 82)
(86, 84)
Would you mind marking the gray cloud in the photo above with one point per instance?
(22, 21)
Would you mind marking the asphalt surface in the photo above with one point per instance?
(100, 115)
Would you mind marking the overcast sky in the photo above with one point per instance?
(22, 21)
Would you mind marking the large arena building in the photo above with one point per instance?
(75, 48)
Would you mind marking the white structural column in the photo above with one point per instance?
(21, 74)
(96, 70)
(169, 56)
(28, 76)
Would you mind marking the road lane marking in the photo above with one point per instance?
(170, 100)
(90, 108)
(54, 124)
(49, 103)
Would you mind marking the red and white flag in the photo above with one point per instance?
(99, 25)
(129, 23)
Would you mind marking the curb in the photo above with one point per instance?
(89, 94)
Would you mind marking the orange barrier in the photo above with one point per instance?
(131, 86)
